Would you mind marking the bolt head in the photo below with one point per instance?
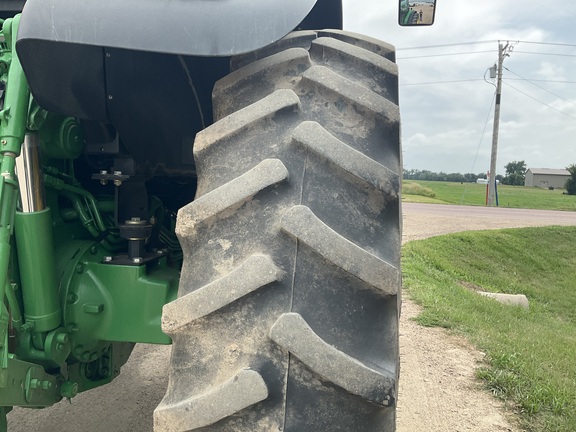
(62, 338)
(69, 389)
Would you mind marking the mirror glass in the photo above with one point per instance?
(416, 12)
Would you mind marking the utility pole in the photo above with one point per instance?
(502, 53)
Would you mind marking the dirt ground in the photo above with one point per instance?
(438, 391)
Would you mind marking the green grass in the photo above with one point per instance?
(413, 188)
(475, 194)
(531, 355)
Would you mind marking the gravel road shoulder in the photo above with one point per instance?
(438, 389)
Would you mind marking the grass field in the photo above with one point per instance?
(475, 194)
(531, 354)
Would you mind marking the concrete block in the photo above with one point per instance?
(508, 299)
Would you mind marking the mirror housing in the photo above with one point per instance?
(416, 12)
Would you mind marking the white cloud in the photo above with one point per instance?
(416, 141)
(551, 71)
(442, 123)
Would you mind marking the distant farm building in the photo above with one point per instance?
(546, 177)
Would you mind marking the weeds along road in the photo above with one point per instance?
(438, 392)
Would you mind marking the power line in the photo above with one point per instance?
(445, 55)
(480, 43)
(540, 80)
(485, 51)
(480, 79)
(480, 143)
(540, 87)
(446, 45)
(544, 53)
(547, 43)
(441, 82)
(537, 100)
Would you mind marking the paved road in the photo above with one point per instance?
(126, 405)
(426, 220)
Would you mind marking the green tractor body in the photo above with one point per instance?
(114, 115)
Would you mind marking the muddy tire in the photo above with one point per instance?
(287, 316)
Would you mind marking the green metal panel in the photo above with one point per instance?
(112, 303)
(121, 303)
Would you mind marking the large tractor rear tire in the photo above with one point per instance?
(287, 316)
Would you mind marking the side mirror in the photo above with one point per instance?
(416, 12)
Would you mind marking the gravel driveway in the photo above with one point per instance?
(438, 392)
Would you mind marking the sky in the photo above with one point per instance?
(447, 126)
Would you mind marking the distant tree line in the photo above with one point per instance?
(415, 174)
(515, 174)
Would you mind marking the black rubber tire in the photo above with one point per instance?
(287, 316)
